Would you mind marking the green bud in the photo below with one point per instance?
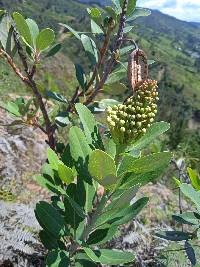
(153, 115)
(109, 119)
(109, 109)
(133, 117)
(120, 107)
(115, 117)
(122, 129)
(144, 116)
(112, 123)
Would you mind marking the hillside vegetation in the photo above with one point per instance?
(173, 44)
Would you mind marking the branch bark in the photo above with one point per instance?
(28, 80)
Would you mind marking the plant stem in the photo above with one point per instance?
(180, 177)
(29, 81)
(112, 60)
(95, 215)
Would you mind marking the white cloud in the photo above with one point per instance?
(188, 10)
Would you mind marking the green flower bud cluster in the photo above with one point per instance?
(130, 120)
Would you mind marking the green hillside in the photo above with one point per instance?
(173, 44)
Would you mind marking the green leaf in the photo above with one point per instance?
(131, 6)
(54, 50)
(104, 103)
(80, 151)
(95, 15)
(2, 12)
(111, 12)
(52, 158)
(131, 212)
(151, 135)
(128, 29)
(4, 30)
(73, 215)
(44, 182)
(62, 119)
(190, 253)
(186, 218)
(144, 164)
(126, 49)
(76, 207)
(10, 43)
(97, 236)
(192, 194)
(75, 33)
(57, 97)
(110, 148)
(198, 234)
(45, 38)
(49, 218)
(124, 199)
(114, 257)
(101, 165)
(116, 76)
(177, 181)
(150, 62)
(95, 29)
(90, 125)
(174, 235)
(101, 236)
(194, 178)
(65, 173)
(85, 263)
(139, 12)
(80, 75)
(78, 145)
(91, 254)
(34, 30)
(47, 183)
(117, 6)
(13, 108)
(58, 258)
(23, 28)
(46, 169)
(120, 216)
(90, 48)
(145, 176)
(115, 88)
(48, 240)
(82, 260)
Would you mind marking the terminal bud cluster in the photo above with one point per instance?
(130, 120)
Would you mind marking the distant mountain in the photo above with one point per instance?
(101, 2)
(172, 43)
(197, 24)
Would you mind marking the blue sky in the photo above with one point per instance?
(188, 10)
